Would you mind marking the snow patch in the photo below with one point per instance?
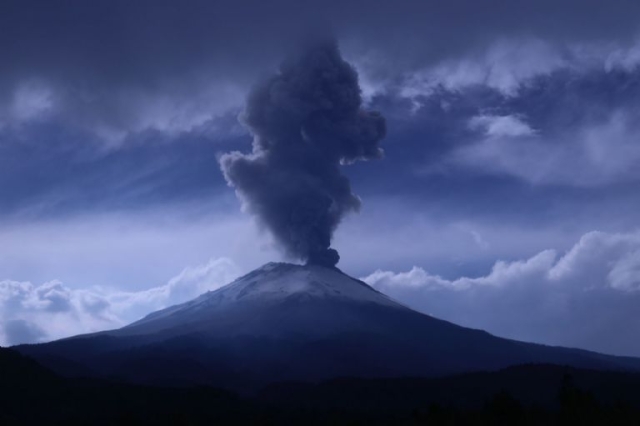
(276, 282)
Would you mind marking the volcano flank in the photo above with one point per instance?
(286, 322)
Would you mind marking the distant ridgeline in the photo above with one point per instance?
(530, 394)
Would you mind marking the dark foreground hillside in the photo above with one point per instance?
(534, 394)
(30, 394)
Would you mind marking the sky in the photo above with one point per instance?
(506, 200)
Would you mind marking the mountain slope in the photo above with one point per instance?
(276, 299)
(292, 322)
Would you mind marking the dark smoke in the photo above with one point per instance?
(307, 121)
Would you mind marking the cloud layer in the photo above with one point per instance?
(32, 313)
(587, 297)
(591, 155)
(119, 68)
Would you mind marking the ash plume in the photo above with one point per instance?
(307, 121)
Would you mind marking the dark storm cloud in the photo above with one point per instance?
(118, 67)
(307, 121)
(139, 70)
(562, 107)
(121, 66)
(60, 170)
(122, 41)
(562, 112)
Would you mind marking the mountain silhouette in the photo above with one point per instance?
(285, 322)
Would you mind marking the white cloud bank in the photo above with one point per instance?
(33, 313)
(589, 155)
(588, 297)
(509, 64)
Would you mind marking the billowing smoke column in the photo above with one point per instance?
(307, 121)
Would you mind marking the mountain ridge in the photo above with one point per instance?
(296, 322)
(245, 287)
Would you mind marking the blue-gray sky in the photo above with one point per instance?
(507, 198)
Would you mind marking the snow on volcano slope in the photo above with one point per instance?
(277, 282)
(271, 300)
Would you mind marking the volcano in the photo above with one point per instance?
(285, 322)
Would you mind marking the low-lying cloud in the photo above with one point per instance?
(32, 313)
(587, 297)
